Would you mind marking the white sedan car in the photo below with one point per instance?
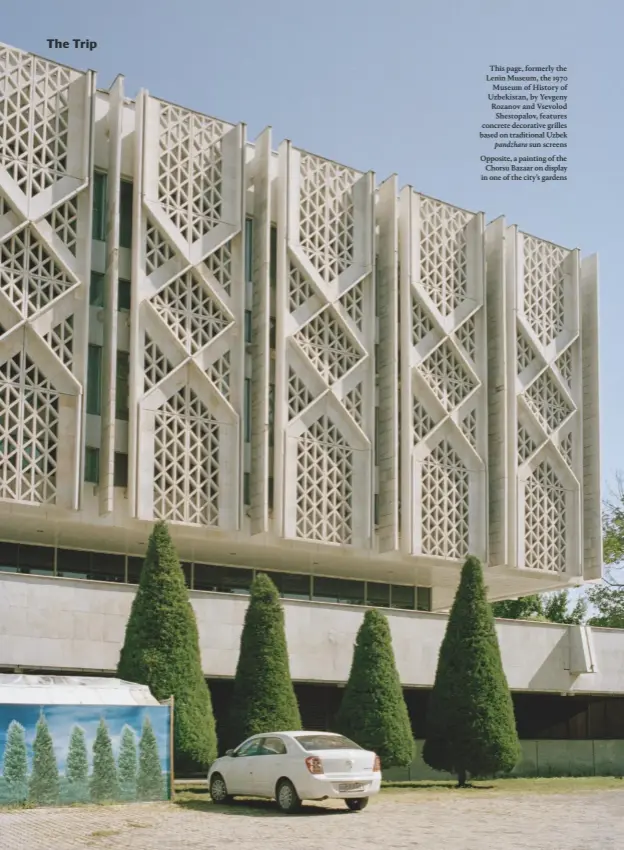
(294, 766)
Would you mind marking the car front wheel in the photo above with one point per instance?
(218, 789)
(287, 798)
(356, 804)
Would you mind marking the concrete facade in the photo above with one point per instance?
(307, 371)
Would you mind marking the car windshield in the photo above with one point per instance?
(326, 742)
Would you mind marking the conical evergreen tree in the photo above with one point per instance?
(77, 769)
(161, 650)
(15, 763)
(373, 711)
(263, 698)
(104, 782)
(44, 786)
(150, 782)
(471, 726)
(127, 764)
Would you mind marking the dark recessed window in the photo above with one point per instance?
(95, 566)
(100, 181)
(94, 380)
(122, 386)
(403, 596)
(9, 557)
(248, 249)
(36, 560)
(273, 258)
(291, 585)
(247, 410)
(423, 598)
(125, 214)
(271, 415)
(124, 294)
(376, 508)
(270, 492)
(135, 565)
(338, 590)
(377, 594)
(222, 579)
(92, 465)
(246, 488)
(247, 326)
(120, 473)
(96, 290)
(272, 332)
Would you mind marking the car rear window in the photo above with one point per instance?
(326, 742)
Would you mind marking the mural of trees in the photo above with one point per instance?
(61, 754)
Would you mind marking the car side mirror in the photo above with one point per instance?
(229, 752)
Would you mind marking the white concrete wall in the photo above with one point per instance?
(75, 625)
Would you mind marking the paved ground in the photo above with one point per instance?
(472, 820)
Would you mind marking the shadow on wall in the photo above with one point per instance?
(63, 754)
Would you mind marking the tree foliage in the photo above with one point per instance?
(150, 784)
(44, 786)
(127, 764)
(15, 763)
(548, 607)
(104, 781)
(263, 697)
(161, 650)
(471, 726)
(77, 767)
(373, 711)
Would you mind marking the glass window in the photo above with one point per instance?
(100, 180)
(124, 294)
(270, 492)
(338, 590)
(273, 258)
(423, 598)
(95, 566)
(92, 465)
(271, 415)
(272, 332)
(94, 380)
(247, 405)
(376, 508)
(377, 594)
(326, 742)
(96, 290)
(122, 388)
(135, 565)
(273, 747)
(403, 596)
(120, 472)
(248, 250)
(9, 557)
(250, 748)
(247, 326)
(291, 585)
(36, 560)
(222, 579)
(125, 214)
(246, 488)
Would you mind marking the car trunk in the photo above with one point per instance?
(346, 762)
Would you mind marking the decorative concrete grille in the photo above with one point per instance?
(219, 374)
(545, 520)
(64, 221)
(328, 345)
(443, 254)
(186, 461)
(544, 288)
(423, 423)
(61, 341)
(156, 367)
(421, 323)
(353, 303)
(447, 377)
(445, 517)
(324, 484)
(157, 250)
(547, 402)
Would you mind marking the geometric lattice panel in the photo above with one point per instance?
(192, 314)
(443, 254)
(186, 461)
(328, 346)
(300, 291)
(545, 521)
(544, 288)
(353, 303)
(466, 335)
(446, 376)
(353, 401)
(526, 444)
(547, 402)
(64, 221)
(157, 250)
(28, 432)
(29, 275)
(219, 374)
(445, 503)
(421, 323)
(324, 502)
(326, 215)
(299, 396)
(423, 423)
(220, 265)
(61, 341)
(155, 365)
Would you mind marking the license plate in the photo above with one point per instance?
(350, 786)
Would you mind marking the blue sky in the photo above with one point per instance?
(397, 87)
(62, 718)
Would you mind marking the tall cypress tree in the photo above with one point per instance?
(263, 698)
(127, 764)
(77, 768)
(150, 781)
(104, 782)
(161, 650)
(373, 711)
(471, 727)
(15, 763)
(44, 788)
